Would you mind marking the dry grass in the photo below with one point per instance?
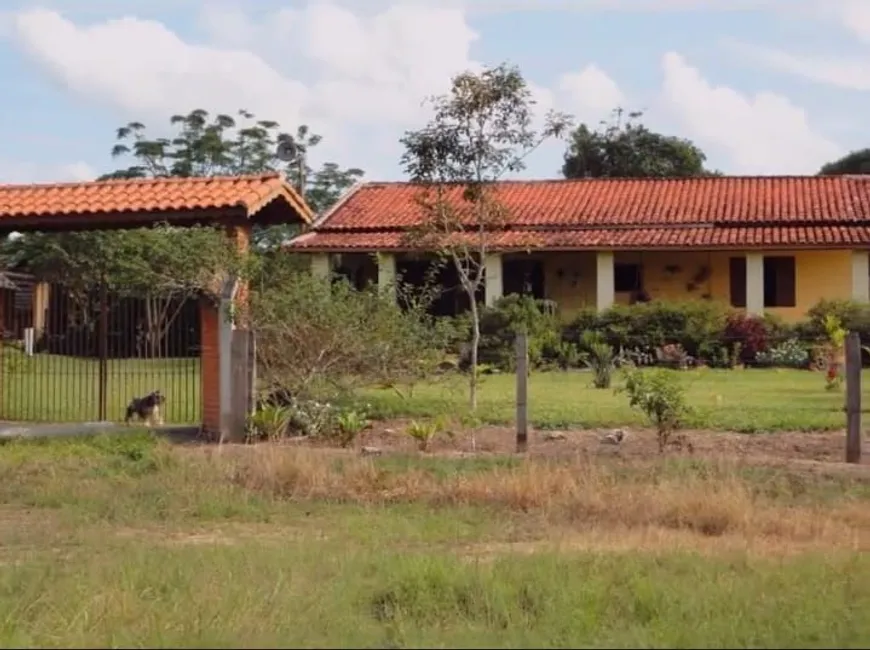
(129, 541)
(594, 494)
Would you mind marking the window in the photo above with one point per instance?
(524, 277)
(627, 278)
(737, 273)
(779, 281)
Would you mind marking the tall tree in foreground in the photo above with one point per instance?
(855, 162)
(481, 130)
(625, 148)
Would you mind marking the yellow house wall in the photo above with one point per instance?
(569, 278)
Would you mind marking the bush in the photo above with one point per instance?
(854, 316)
(643, 328)
(500, 324)
(278, 418)
(600, 358)
(748, 332)
(659, 395)
(788, 354)
(316, 340)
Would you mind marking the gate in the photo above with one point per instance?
(70, 356)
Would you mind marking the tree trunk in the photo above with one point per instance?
(152, 327)
(475, 344)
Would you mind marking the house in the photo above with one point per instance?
(767, 244)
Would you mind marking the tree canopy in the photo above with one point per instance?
(226, 146)
(165, 265)
(855, 162)
(628, 149)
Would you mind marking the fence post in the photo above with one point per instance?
(522, 345)
(853, 398)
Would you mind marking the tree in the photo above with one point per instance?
(481, 129)
(855, 162)
(201, 146)
(226, 146)
(304, 349)
(163, 266)
(629, 150)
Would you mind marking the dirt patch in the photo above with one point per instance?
(819, 447)
(815, 453)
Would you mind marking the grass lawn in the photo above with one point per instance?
(735, 400)
(56, 388)
(129, 542)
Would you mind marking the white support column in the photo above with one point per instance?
(861, 276)
(604, 281)
(387, 274)
(755, 284)
(494, 288)
(321, 265)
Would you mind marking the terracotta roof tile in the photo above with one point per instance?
(598, 238)
(147, 195)
(714, 212)
(635, 202)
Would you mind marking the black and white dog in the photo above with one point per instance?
(147, 409)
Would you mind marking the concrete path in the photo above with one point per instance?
(12, 430)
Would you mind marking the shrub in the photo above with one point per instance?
(567, 355)
(788, 354)
(673, 355)
(423, 432)
(500, 324)
(269, 422)
(284, 416)
(349, 425)
(600, 358)
(642, 328)
(316, 340)
(659, 395)
(747, 331)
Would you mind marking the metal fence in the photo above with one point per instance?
(71, 356)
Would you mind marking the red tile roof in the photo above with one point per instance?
(623, 213)
(251, 193)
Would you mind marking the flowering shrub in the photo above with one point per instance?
(788, 354)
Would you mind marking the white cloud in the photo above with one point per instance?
(359, 79)
(852, 73)
(762, 134)
(855, 16)
(18, 172)
(142, 67)
(591, 94)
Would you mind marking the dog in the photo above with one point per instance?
(147, 409)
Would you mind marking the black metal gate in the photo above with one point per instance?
(70, 356)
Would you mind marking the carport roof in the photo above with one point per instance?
(139, 202)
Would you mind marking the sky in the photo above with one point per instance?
(763, 87)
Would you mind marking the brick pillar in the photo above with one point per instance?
(212, 318)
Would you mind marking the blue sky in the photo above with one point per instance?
(779, 88)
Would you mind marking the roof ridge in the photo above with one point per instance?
(636, 179)
(156, 180)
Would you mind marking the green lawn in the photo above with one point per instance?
(736, 400)
(56, 388)
(127, 542)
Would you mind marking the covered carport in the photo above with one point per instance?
(235, 203)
